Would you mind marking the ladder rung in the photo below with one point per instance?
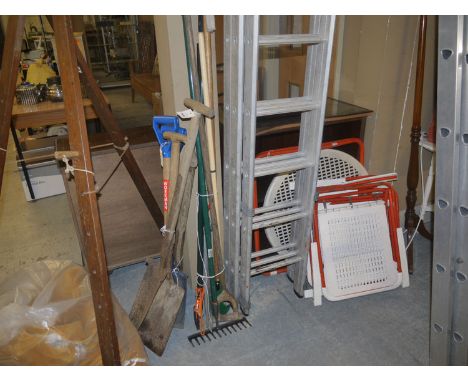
(271, 250)
(286, 105)
(275, 207)
(281, 164)
(276, 220)
(287, 39)
(272, 259)
(277, 265)
(276, 214)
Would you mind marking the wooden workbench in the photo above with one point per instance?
(42, 114)
(45, 113)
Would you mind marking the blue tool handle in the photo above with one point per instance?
(163, 123)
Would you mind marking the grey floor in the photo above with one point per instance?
(390, 328)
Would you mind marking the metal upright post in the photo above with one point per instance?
(233, 99)
(249, 122)
(310, 139)
(449, 309)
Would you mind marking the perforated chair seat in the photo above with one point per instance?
(334, 164)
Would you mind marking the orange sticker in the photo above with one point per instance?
(166, 194)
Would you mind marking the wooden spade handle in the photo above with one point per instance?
(167, 187)
(199, 107)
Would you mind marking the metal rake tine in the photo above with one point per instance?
(243, 323)
(191, 343)
(207, 335)
(201, 337)
(233, 328)
(196, 339)
(229, 330)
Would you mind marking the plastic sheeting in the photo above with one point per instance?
(47, 318)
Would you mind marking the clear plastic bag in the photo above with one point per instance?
(47, 318)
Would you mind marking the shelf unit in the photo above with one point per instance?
(111, 44)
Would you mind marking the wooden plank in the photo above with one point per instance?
(412, 178)
(8, 76)
(145, 84)
(130, 235)
(109, 122)
(45, 113)
(84, 179)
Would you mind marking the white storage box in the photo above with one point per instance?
(46, 180)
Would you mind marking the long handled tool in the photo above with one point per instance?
(206, 69)
(179, 241)
(221, 294)
(162, 124)
(156, 306)
(176, 140)
(226, 323)
(221, 301)
(204, 224)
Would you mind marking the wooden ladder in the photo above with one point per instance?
(71, 59)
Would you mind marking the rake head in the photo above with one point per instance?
(225, 329)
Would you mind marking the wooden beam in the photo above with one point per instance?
(85, 188)
(412, 178)
(8, 75)
(111, 126)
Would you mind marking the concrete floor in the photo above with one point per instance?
(390, 328)
(32, 231)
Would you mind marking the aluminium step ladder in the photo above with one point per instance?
(241, 109)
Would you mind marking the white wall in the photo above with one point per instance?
(377, 55)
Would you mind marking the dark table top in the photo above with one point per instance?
(339, 109)
(336, 112)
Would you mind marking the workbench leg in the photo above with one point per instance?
(19, 150)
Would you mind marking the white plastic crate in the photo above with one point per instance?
(356, 250)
